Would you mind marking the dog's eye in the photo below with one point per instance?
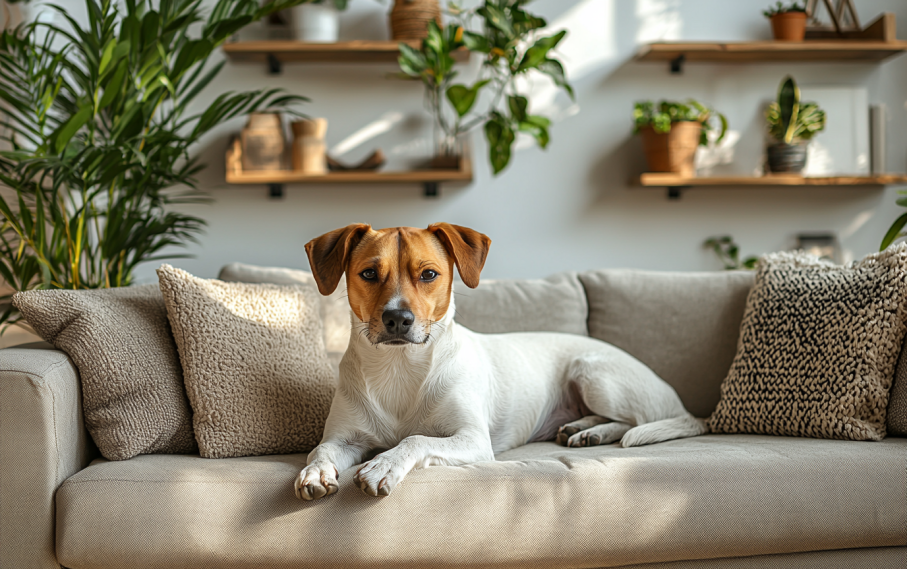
(428, 275)
(369, 274)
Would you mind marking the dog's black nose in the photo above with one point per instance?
(398, 321)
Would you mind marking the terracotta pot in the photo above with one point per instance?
(410, 18)
(786, 158)
(672, 151)
(789, 26)
(263, 142)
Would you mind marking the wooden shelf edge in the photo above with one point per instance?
(291, 51)
(808, 50)
(235, 175)
(667, 180)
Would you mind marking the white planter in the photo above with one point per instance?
(318, 23)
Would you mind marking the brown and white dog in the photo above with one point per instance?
(433, 392)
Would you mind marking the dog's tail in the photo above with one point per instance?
(664, 430)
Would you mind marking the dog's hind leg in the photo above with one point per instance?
(602, 434)
(570, 429)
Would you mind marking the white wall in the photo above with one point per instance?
(571, 207)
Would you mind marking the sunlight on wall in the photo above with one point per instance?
(384, 124)
(589, 45)
(659, 20)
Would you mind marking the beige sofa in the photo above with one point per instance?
(710, 501)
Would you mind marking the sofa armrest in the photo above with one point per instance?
(43, 442)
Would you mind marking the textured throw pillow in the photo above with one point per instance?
(253, 361)
(132, 384)
(897, 403)
(817, 348)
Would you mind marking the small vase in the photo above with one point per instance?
(786, 158)
(263, 142)
(316, 23)
(309, 152)
(410, 18)
(789, 26)
(672, 151)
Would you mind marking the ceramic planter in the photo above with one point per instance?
(263, 142)
(672, 151)
(316, 23)
(309, 151)
(786, 158)
(789, 26)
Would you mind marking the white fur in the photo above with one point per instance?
(463, 397)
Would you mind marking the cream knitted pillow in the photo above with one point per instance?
(253, 361)
(817, 349)
(132, 385)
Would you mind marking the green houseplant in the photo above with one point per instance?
(728, 252)
(671, 131)
(791, 125)
(95, 136)
(896, 231)
(788, 21)
(507, 38)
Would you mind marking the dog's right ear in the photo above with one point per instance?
(328, 254)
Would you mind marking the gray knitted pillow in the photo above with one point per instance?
(254, 363)
(132, 385)
(817, 349)
(897, 403)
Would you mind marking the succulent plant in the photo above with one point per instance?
(791, 121)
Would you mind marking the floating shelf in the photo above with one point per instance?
(675, 182)
(276, 179)
(276, 52)
(771, 51)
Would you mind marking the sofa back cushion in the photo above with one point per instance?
(682, 325)
(554, 304)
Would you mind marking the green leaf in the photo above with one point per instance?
(554, 69)
(72, 126)
(789, 104)
(539, 51)
(518, 105)
(893, 232)
(495, 17)
(106, 57)
(500, 138)
(412, 61)
(476, 42)
(113, 86)
(462, 97)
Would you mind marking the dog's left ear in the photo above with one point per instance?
(328, 254)
(468, 247)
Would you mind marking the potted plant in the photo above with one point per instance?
(96, 135)
(508, 40)
(671, 132)
(318, 21)
(791, 124)
(788, 22)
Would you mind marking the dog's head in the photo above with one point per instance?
(399, 279)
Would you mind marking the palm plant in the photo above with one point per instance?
(95, 137)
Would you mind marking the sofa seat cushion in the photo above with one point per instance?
(538, 506)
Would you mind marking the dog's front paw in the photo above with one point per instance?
(317, 481)
(379, 476)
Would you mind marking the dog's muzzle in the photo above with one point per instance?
(398, 324)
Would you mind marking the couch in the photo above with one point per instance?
(711, 501)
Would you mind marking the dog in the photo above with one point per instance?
(433, 392)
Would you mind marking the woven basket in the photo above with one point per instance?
(409, 18)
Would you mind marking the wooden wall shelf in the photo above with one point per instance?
(276, 52)
(770, 51)
(675, 182)
(276, 179)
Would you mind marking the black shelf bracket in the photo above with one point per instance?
(431, 189)
(275, 191)
(677, 64)
(674, 192)
(273, 64)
